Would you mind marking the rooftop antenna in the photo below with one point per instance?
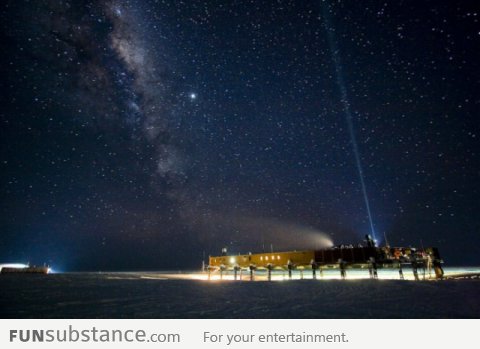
(271, 248)
(386, 241)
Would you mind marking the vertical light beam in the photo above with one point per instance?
(330, 30)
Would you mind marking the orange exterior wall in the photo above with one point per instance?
(278, 259)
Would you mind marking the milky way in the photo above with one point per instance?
(141, 134)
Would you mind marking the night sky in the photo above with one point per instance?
(143, 134)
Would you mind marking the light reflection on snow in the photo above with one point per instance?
(278, 276)
(282, 276)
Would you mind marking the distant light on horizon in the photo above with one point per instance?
(13, 265)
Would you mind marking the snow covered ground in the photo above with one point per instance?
(191, 295)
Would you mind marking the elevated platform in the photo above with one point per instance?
(340, 257)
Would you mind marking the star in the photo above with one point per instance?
(291, 126)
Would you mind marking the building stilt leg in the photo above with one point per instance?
(252, 270)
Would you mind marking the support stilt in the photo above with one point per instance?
(437, 267)
(373, 268)
(415, 270)
(252, 270)
(343, 271)
(269, 268)
(314, 269)
(235, 272)
(290, 267)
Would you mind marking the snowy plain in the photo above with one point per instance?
(191, 295)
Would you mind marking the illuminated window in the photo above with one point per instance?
(266, 258)
(261, 258)
(278, 257)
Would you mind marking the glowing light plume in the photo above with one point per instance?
(346, 107)
(251, 232)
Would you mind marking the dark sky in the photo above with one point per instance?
(138, 134)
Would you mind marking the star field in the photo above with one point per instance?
(141, 134)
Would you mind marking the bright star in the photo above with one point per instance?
(193, 95)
